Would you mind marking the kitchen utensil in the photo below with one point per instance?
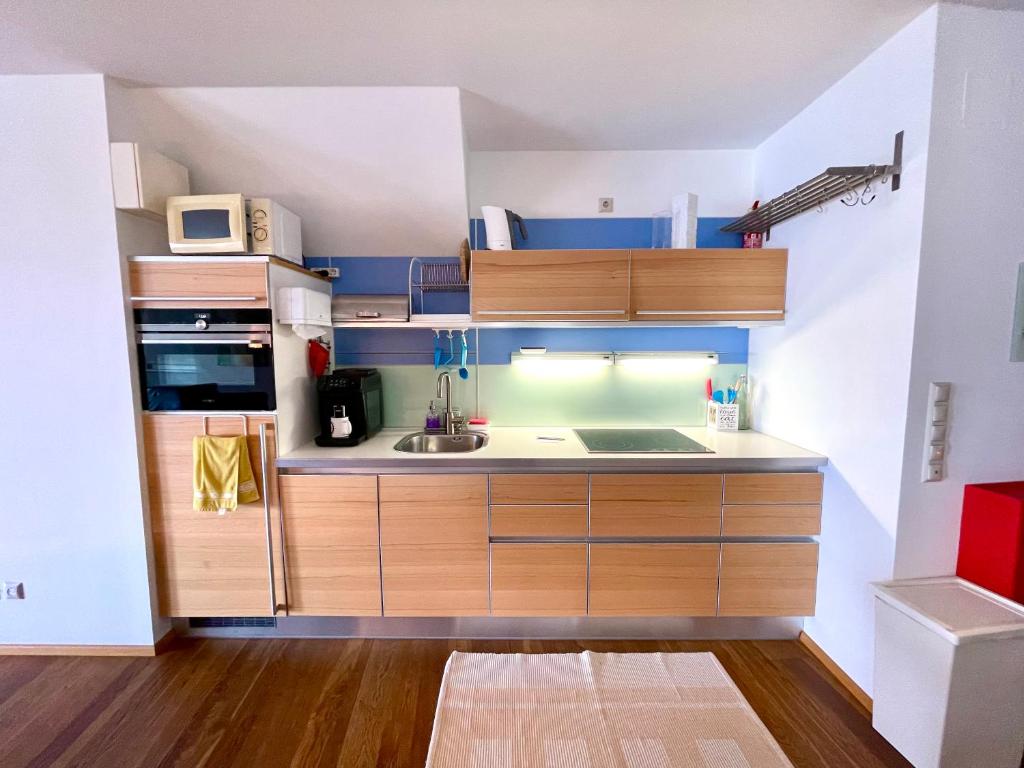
(319, 358)
(718, 396)
(463, 370)
(708, 388)
(730, 396)
(437, 350)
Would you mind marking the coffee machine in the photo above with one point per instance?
(350, 406)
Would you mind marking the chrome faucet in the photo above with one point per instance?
(444, 389)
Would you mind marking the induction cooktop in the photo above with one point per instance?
(638, 441)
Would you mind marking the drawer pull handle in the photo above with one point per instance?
(195, 298)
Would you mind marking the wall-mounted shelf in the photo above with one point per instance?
(834, 182)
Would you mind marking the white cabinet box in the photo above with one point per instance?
(949, 673)
(144, 179)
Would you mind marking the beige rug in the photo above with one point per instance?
(595, 710)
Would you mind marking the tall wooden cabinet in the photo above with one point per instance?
(209, 564)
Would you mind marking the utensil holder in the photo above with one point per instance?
(723, 417)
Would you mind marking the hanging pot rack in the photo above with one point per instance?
(834, 182)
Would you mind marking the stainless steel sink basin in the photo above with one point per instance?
(423, 442)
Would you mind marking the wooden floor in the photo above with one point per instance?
(349, 703)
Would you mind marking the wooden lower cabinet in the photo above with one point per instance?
(653, 579)
(655, 505)
(539, 579)
(768, 579)
(331, 545)
(434, 545)
(208, 564)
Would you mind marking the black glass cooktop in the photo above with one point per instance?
(638, 441)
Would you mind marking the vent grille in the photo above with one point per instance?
(222, 622)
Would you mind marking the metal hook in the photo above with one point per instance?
(851, 197)
(867, 191)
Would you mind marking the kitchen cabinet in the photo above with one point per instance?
(331, 545)
(772, 504)
(197, 284)
(664, 505)
(553, 506)
(208, 564)
(548, 579)
(434, 545)
(708, 284)
(653, 579)
(768, 579)
(143, 179)
(542, 285)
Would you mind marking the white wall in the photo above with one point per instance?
(371, 171)
(834, 379)
(567, 184)
(71, 515)
(969, 261)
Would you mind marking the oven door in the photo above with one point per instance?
(206, 372)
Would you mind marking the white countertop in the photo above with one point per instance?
(511, 448)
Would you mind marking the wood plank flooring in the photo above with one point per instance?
(208, 703)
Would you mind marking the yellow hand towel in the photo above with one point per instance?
(221, 474)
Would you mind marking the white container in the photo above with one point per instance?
(143, 179)
(723, 417)
(949, 673)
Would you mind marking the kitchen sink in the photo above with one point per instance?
(427, 442)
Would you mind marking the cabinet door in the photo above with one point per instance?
(331, 544)
(434, 545)
(708, 284)
(178, 284)
(771, 579)
(653, 579)
(208, 564)
(550, 285)
(772, 504)
(538, 579)
(655, 505)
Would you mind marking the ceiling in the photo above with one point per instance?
(537, 74)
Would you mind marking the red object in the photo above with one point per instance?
(708, 389)
(319, 357)
(992, 538)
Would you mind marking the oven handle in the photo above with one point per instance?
(195, 299)
(241, 339)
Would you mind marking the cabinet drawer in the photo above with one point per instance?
(177, 285)
(653, 579)
(550, 285)
(538, 489)
(687, 284)
(538, 579)
(553, 520)
(331, 542)
(771, 520)
(655, 505)
(774, 488)
(434, 545)
(769, 579)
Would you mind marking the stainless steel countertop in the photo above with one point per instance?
(518, 449)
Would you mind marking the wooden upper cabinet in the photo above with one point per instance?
(331, 544)
(434, 545)
(195, 284)
(550, 285)
(209, 564)
(708, 284)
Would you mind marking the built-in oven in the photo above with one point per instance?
(205, 359)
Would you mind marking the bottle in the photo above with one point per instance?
(433, 417)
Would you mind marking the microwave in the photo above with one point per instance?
(233, 224)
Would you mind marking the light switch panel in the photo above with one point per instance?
(1017, 340)
(936, 432)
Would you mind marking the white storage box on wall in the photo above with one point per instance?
(144, 179)
(949, 673)
(307, 311)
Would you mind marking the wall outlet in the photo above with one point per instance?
(330, 272)
(605, 204)
(12, 590)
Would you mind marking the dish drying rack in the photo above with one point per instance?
(836, 181)
(428, 277)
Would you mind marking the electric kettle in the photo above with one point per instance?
(500, 224)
